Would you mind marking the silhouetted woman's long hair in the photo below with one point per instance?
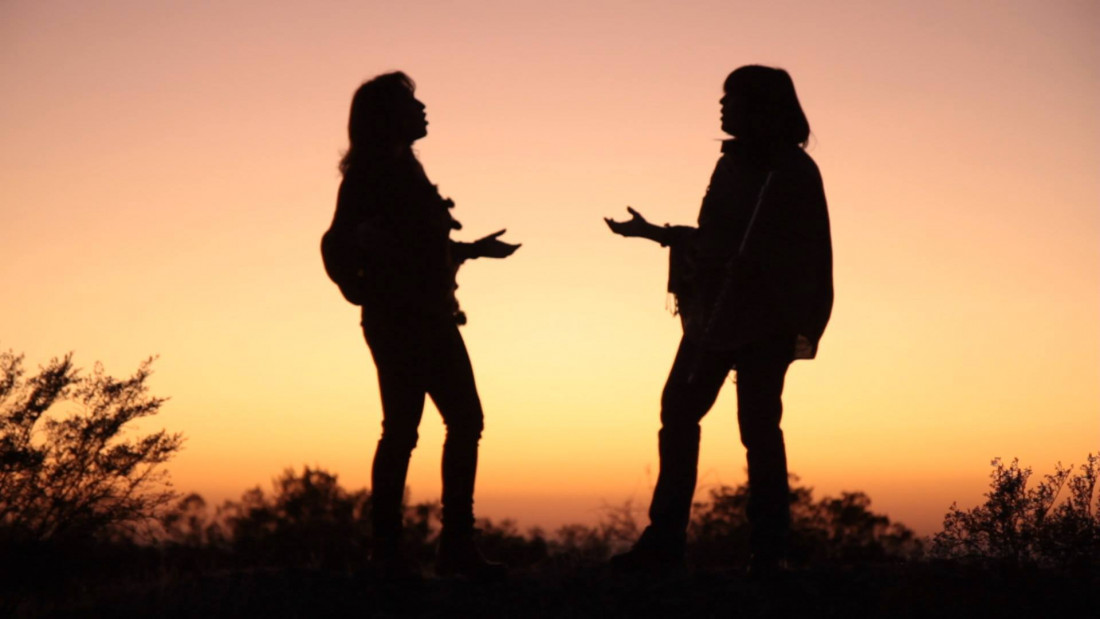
(769, 111)
(370, 126)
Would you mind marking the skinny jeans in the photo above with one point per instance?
(693, 384)
(416, 358)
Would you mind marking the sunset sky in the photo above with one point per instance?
(167, 169)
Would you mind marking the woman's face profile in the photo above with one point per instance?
(409, 119)
(733, 113)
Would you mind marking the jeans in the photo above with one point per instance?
(693, 384)
(417, 358)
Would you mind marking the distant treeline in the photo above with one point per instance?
(79, 494)
(309, 519)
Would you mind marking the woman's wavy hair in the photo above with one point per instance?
(370, 129)
(773, 114)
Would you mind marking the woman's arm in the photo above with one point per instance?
(637, 226)
(486, 247)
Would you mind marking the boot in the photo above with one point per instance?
(458, 556)
(652, 553)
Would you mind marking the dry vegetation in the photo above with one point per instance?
(88, 528)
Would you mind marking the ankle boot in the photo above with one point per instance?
(653, 552)
(458, 556)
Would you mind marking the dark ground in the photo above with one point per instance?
(896, 591)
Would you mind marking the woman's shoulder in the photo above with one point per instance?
(787, 160)
(795, 167)
(362, 194)
(794, 160)
(370, 183)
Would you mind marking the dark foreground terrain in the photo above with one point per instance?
(896, 591)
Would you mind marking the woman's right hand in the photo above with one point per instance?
(492, 247)
(635, 226)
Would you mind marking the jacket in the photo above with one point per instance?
(759, 264)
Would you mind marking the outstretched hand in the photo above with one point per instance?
(492, 247)
(635, 226)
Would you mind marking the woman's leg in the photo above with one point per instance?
(400, 384)
(692, 386)
(761, 370)
(452, 388)
(454, 392)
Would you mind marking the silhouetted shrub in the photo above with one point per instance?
(578, 544)
(68, 474)
(188, 524)
(1020, 526)
(832, 530)
(309, 520)
(504, 542)
(421, 530)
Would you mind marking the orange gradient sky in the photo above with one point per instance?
(167, 169)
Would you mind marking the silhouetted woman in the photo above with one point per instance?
(753, 283)
(390, 250)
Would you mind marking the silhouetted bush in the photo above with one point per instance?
(578, 544)
(68, 474)
(832, 530)
(308, 520)
(188, 524)
(311, 521)
(503, 542)
(1018, 526)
